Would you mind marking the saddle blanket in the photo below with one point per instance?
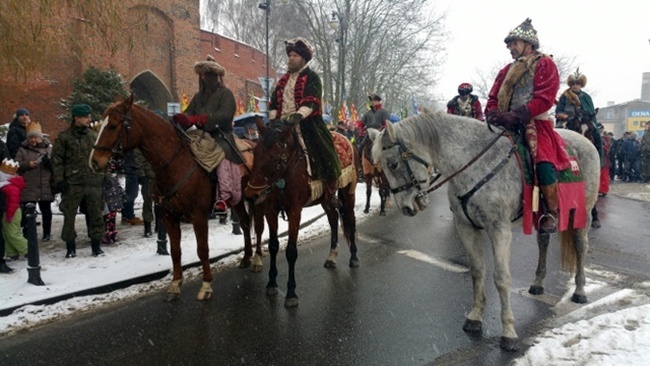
(345, 151)
(571, 194)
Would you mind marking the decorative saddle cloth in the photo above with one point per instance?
(571, 194)
(345, 151)
(209, 154)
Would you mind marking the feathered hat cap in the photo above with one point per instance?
(209, 66)
(577, 77)
(524, 32)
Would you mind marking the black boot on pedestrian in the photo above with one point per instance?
(147, 229)
(4, 268)
(71, 247)
(95, 245)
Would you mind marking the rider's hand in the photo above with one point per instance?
(295, 118)
(562, 116)
(492, 116)
(182, 120)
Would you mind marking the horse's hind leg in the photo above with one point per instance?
(537, 288)
(258, 224)
(333, 219)
(349, 222)
(581, 242)
(203, 251)
(472, 241)
(368, 193)
(595, 223)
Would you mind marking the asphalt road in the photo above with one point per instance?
(405, 304)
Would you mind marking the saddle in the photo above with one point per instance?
(345, 151)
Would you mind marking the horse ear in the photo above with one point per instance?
(372, 134)
(259, 122)
(390, 132)
(129, 101)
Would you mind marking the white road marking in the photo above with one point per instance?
(447, 266)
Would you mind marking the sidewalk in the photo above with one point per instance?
(636, 191)
(132, 261)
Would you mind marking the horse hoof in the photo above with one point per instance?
(203, 296)
(172, 297)
(509, 344)
(256, 268)
(245, 263)
(595, 224)
(354, 263)
(474, 327)
(536, 290)
(330, 264)
(366, 211)
(579, 299)
(271, 291)
(382, 213)
(291, 302)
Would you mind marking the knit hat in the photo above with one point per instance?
(34, 129)
(577, 77)
(373, 96)
(300, 46)
(9, 166)
(524, 32)
(209, 66)
(22, 112)
(81, 110)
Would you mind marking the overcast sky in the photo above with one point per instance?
(609, 40)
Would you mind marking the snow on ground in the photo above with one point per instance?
(614, 330)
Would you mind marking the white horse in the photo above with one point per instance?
(408, 149)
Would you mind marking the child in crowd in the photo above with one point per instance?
(12, 185)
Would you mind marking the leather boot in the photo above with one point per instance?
(329, 194)
(71, 247)
(95, 245)
(4, 268)
(548, 221)
(147, 229)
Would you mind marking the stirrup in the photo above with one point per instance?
(219, 211)
(550, 230)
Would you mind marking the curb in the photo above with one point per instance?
(140, 279)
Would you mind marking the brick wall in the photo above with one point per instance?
(167, 42)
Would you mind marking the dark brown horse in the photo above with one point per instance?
(582, 122)
(280, 180)
(373, 174)
(183, 189)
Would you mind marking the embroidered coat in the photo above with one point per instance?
(470, 109)
(307, 92)
(532, 81)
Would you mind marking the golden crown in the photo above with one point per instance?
(9, 166)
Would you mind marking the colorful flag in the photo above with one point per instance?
(252, 104)
(343, 113)
(240, 108)
(184, 102)
(353, 113)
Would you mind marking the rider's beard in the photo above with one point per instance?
(295, 66)
(210, 82)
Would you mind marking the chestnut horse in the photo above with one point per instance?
(183, 189)
(372, 173)
(280, 180)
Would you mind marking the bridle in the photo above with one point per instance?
(124, 134)
(407, 154)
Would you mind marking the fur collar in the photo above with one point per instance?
(517, 70)
(572, 97)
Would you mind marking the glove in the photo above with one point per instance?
(45, 160)
(512, 119)
(199, 121)
(182, 120)
(492, 116)
(62, 186)
(295, 119)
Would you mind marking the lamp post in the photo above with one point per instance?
(267, 82)
(338, 24)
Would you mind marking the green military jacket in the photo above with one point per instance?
(70, 154)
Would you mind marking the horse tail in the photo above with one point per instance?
(568, 251)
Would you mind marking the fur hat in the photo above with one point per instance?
(577, 77)
(524, 32)
(300, 46)
(209, 66)
(34, 129)
(81, 110)
(9, 166)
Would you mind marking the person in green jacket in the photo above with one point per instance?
(77, 183)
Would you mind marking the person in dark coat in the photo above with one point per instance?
(36, 169)
(17, 132)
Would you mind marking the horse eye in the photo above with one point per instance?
(392, 165)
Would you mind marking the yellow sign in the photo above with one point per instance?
(637, 120)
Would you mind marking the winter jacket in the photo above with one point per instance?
(70, 157)
(12, 196)
(37, 180)
(15, 137)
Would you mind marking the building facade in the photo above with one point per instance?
(157, 66)
(630, 116)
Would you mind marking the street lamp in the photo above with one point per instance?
(338, 24)
(267, 82)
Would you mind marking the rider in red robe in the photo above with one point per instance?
(521, 96)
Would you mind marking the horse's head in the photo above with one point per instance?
(581, 121)
(273, 154)
(405, 169)
(113, 133)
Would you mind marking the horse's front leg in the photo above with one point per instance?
(203, 251)
(258, 224)
(274, 247)
(537, 288)
(383, 195)
(349, 224)
(501, 238)
(595, 222)
(581, 241)
(368, 192)
(291, 300)
(472, 241)
(174, 232)
(333, 220)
